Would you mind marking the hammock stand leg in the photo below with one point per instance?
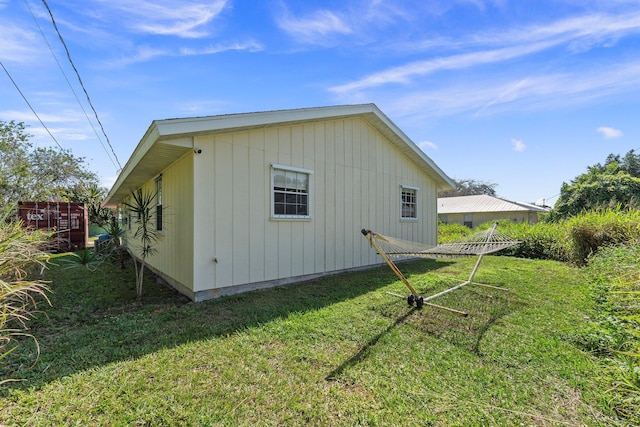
(475, 268)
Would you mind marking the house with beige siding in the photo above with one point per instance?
(254, 200)
(479, 209)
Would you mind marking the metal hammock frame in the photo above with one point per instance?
(478, 244)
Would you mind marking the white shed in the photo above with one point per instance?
(253, 200)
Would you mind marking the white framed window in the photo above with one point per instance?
(290, 192)
(408, 202)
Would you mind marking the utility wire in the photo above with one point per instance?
(81, 83)
(69, 84)
(29, 104)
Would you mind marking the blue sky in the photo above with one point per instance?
(523, 94)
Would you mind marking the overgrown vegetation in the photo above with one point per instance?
(571, 240)
(614, 330)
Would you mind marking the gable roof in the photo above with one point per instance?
(166, 140)
(483, 203)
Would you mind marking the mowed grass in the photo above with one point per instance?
(337, 351)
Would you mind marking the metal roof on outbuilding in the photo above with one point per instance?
(483, 203)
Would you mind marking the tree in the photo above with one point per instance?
(36, 174)
(92, 196)
(616, 184)
(630, 163)
(470, 187)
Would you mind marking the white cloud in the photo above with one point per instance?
(18, 44)
(575, 34)
(147, 53)
(427, 145)
(494, 93)
(250, 46)
(609, 133)
(315, 27)
(27, 116)
(404, 73)
(518, 145)
(185, 19)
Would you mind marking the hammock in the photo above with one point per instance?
(480, 244)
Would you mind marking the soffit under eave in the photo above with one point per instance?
(157, 158)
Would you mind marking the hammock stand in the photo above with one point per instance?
(479, 244)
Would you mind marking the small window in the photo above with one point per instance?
(290, 192)
(409, 205)
(159, 203)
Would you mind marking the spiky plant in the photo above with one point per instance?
(141, 206)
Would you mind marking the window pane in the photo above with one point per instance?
(290, 210)
(279, 178)
(302, 180)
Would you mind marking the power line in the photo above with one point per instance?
(55, 26)
(69, 83)
(29, 104)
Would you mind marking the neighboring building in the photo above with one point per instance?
(475, 210)
(248, 201)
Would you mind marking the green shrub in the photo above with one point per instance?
(448, 233)
(539, 241)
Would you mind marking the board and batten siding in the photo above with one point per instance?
(174, 257)
(355, 183)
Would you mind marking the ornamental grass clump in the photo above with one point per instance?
(20, 257)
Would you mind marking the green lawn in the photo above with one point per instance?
(338, 351)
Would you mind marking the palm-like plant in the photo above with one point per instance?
(20, 253)
(141, 206)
